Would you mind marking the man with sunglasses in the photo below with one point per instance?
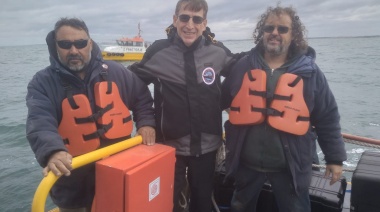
(279, 101)
(185, 69)
(78, 104)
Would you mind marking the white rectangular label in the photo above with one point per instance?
(154, 188)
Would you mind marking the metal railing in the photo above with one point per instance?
(47, 182)
(357, 140)
(40, 196)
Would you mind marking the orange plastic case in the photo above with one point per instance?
(139, 179)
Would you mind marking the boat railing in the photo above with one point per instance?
(361, 141)
(357, 140)
(324, 167)
(47, 182)
(40, 196)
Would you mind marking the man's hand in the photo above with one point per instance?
(59, 163)
(148, 135)
(335, 171)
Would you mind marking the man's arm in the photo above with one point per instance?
(142, 108)
(42, 130)
(325, 117)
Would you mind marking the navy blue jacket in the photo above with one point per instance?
(298, 150)
(44, 98)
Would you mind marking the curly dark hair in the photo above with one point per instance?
(298, 44)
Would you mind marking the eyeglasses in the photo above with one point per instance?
(280, 29)
(185, 18)
(65, 44)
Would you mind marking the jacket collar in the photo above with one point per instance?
(197, 43)
(301, 64)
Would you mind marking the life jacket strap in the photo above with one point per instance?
(104, 74)
(98, 133)
(257, 93)
(66, 141)
(256, 109)
(281, 97)
(94, 117)
(303, 118)
(237, 109)
(295, 82)
(250, 76)
(254, 93)
(109, 87)
(127, 119)
(69, 94)
(101, 111)
(273, 112)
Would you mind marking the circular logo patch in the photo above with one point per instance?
(208, 75)
(105, 66)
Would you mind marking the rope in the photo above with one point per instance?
(357, 140)
(324, 167)
(360, 143)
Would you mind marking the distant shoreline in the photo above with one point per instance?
(107, 42)
(338, 37)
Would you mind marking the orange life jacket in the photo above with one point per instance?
(80, 128)
(288, 111)
(294, 114)
(248, 102)
(107, 95)
(74, 133)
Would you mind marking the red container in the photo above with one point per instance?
(135, 180)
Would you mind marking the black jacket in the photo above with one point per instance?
(186, 92)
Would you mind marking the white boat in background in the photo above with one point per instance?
(127, 49)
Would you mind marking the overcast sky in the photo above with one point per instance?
(28, 21)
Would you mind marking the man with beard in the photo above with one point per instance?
(78, 104)
(279, 100)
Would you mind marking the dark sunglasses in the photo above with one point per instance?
(280, 29)
(65, 44)
(185, 18)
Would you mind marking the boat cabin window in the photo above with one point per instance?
(129, 43)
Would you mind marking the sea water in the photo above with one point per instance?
(351, 66)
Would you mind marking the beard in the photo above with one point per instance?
(277, 49)
(75, 67)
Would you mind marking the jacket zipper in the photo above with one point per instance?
(162, 112)
(266, 123)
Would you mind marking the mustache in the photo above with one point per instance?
(74, 57)
(277, 37)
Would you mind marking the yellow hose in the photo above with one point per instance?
(47, 182)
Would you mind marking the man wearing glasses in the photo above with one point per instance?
(185, 69)
(279, 101)
(78, 104)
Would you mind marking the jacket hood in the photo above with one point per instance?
(304, 63)
(310, 52)
(96, 54)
